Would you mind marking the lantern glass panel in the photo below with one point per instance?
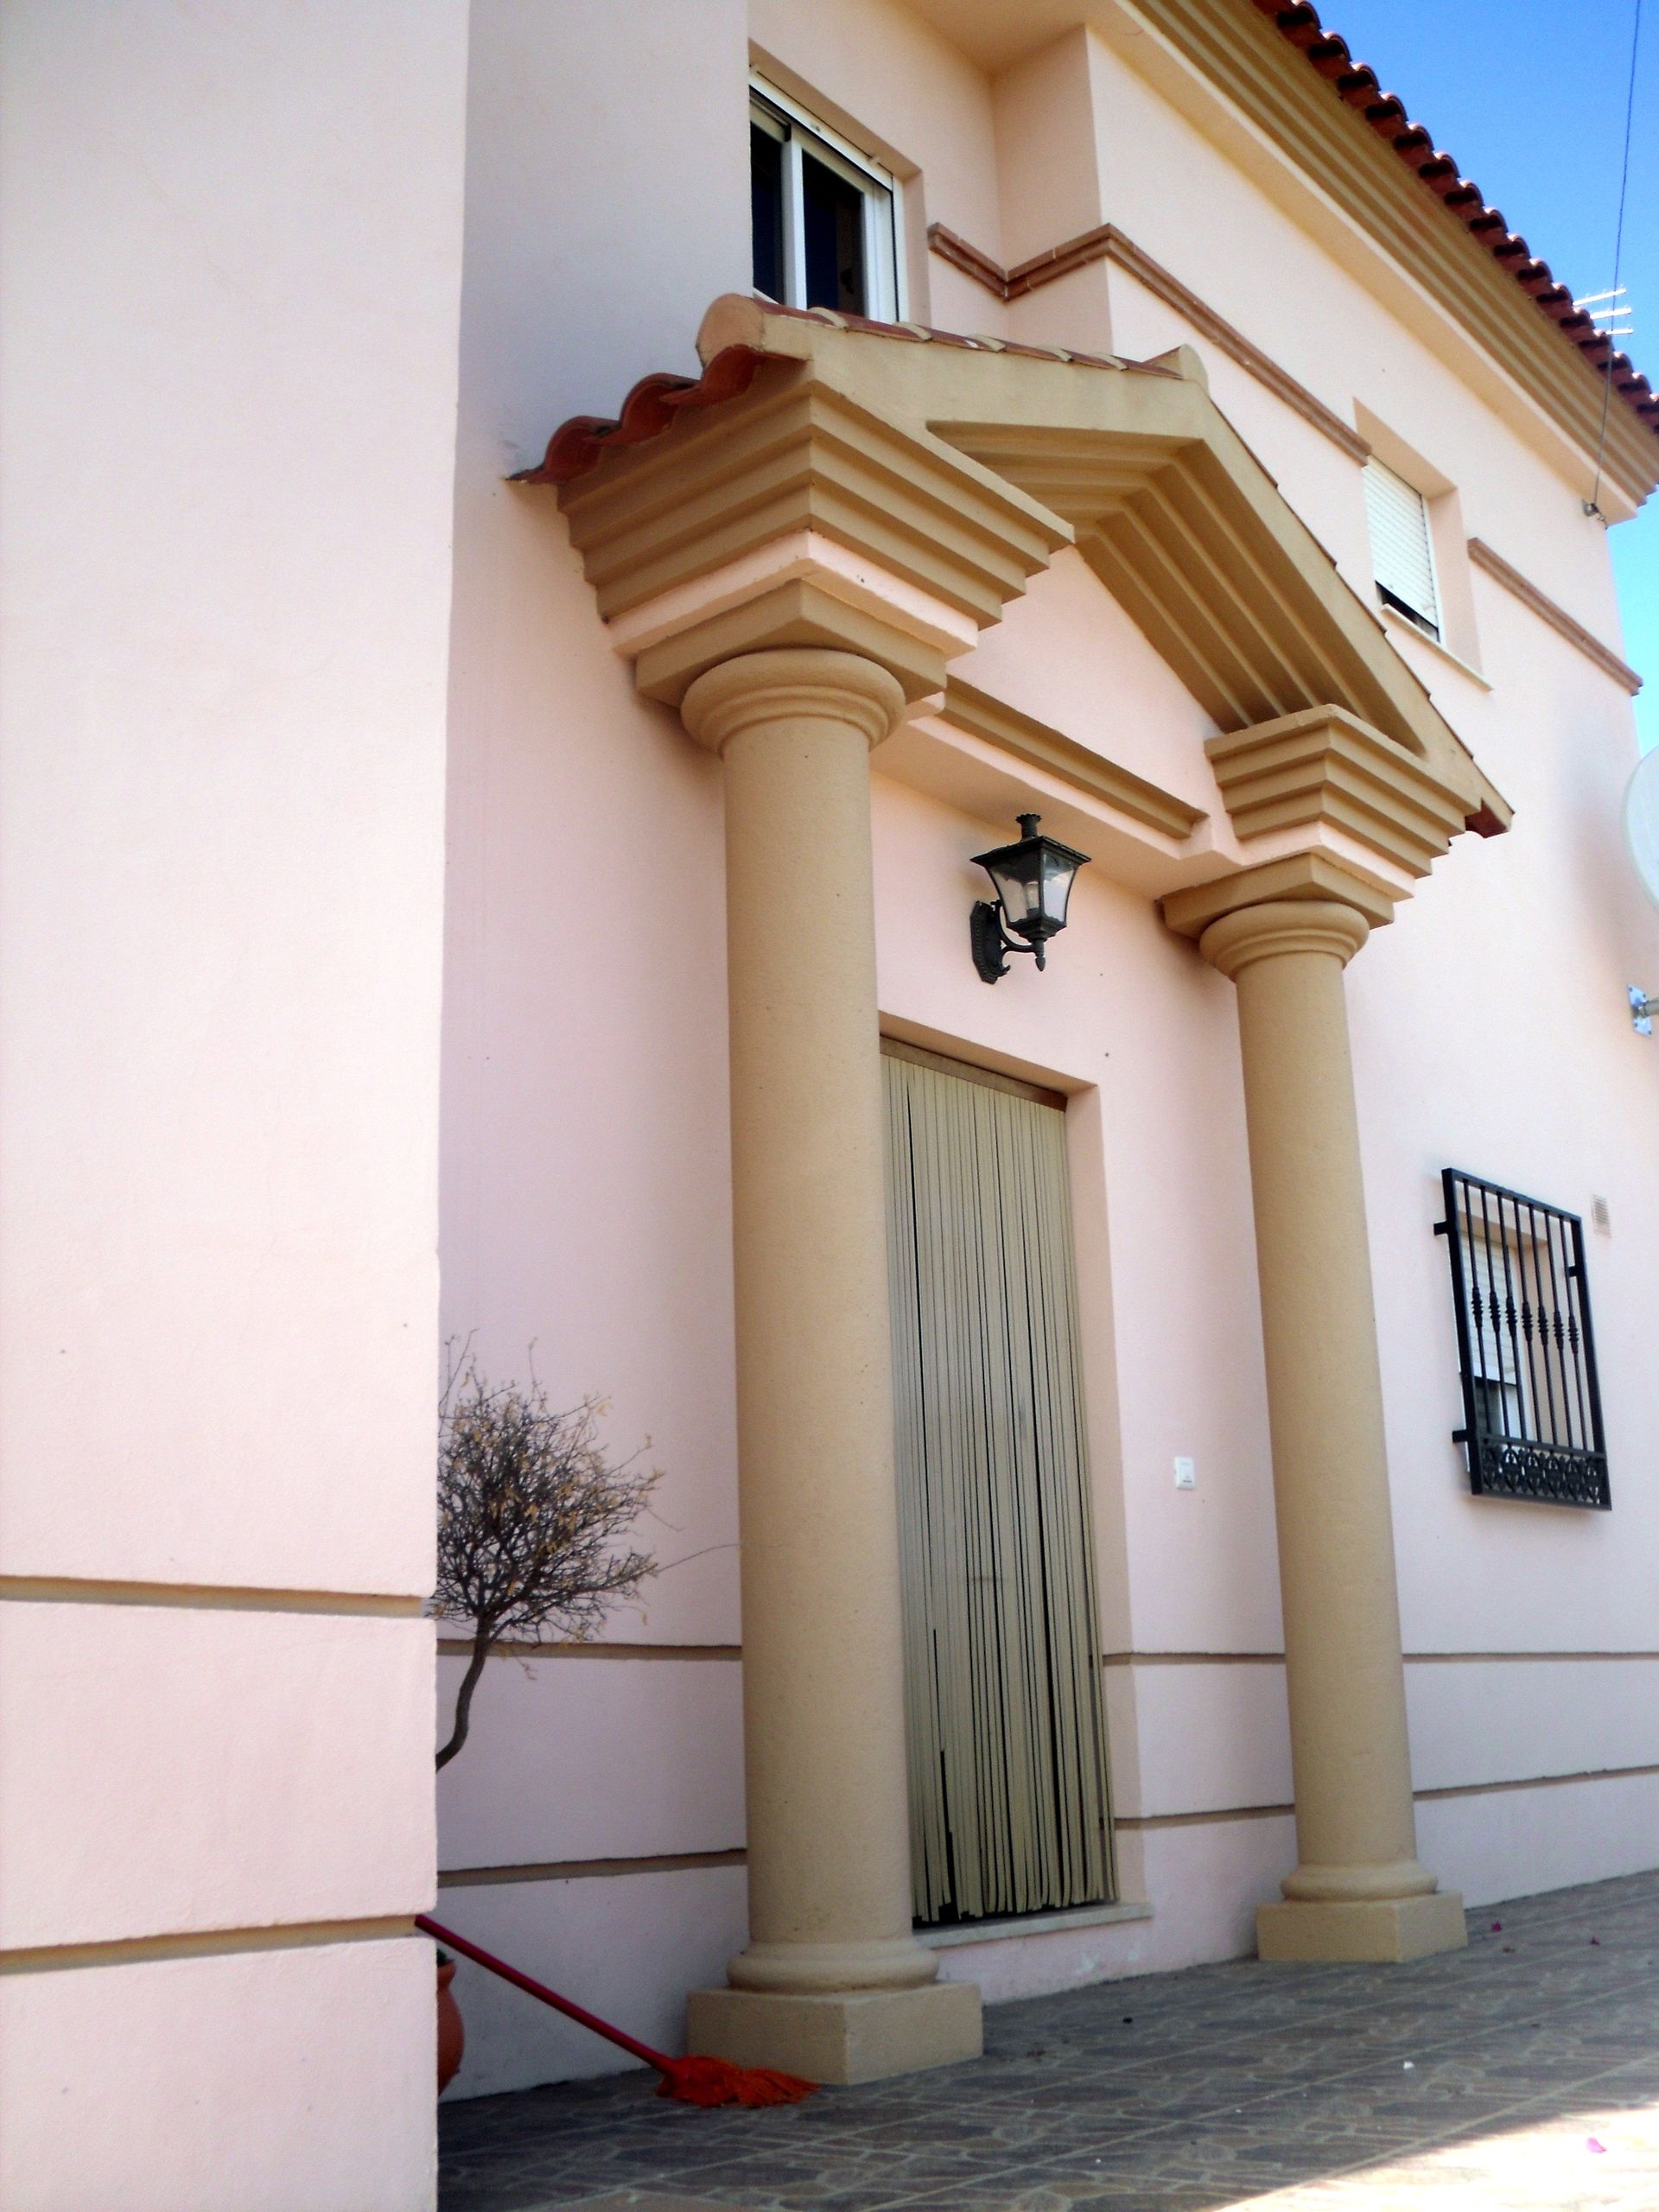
(1059, 873)
(1017, 874)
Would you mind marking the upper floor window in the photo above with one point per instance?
(825, 217)
(1402, 550)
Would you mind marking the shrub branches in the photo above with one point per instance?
(529, 1510)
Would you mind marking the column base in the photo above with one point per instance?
(1384, 1931)
(855, 2036)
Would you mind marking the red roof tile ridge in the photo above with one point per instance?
(1357, 83)
(581, 443)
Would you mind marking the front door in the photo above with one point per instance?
(1007, 1770)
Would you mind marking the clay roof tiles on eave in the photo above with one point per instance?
(655, 401)
(1357, 85)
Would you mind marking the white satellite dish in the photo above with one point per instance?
(1642, 822)
(1642, 835)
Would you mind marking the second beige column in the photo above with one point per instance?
(833, 1983)
(1358, 1891)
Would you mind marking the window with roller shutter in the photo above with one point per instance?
(1402, 553)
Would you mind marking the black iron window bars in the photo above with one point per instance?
(1531, 1402)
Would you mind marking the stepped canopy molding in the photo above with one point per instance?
(718, 515)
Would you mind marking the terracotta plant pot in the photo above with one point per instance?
(452, 2029)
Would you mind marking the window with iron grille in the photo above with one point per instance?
(1531, 1402)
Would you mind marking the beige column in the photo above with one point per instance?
(1358, 1891)
(833, 1983)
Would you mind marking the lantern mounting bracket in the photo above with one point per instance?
(991, 941)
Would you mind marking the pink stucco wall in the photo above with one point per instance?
(229, 279)
(271, 608)
(587, 1174)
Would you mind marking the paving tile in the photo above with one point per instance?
(632, 2201)
(1276, 2088)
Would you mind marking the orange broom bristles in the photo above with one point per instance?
(693, 2081)
(698, 2081)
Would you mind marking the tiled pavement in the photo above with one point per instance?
(1522, 2075)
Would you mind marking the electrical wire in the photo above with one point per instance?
(1593, 505)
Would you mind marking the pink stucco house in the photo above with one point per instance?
(543, 545)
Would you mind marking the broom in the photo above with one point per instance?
(693, 2081)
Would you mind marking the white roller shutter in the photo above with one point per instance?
(1401, 556)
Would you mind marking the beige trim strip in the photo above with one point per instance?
(1557, 617)
(1107, 243)
(218, 1942)
(1412, 1658)
(74, 1590)
(1203, 1820)
(968, 1071)
(452, 1647)
(461, 1647)
(586, 1870)
(1418, 1797)
(950, 246)
(1010, 731)
(458, 1648)
(1490, 1658)
(1534, 1782)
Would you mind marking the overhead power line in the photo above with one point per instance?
(1592, 505)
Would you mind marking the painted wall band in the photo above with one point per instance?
(1418, 1797)
(587, 1870)
(218, 1942)
(1107, 243)
(1412, 1658)
(460, 1647)
(74, 1590)
(577, 1870)
(452, 1647)
(1559, 620)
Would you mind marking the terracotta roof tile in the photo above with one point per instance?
(580, 443)
(655, 401)
(1357, 84)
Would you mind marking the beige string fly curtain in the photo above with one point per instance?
(1007, 1771)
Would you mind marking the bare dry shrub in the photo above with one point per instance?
(530, 1509)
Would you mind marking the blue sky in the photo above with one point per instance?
(1529, 97)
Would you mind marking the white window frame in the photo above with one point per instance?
(1430, 619)
(887, 299)
(1491, 1262)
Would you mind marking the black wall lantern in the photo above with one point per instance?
(1034, 882)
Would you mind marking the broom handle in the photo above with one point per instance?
(480, 1957)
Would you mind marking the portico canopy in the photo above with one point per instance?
(830, 481)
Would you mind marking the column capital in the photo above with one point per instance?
(1280, 926)
(1326, 808)
(816, 683)
(1312, 877)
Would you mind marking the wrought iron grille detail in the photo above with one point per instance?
(1531, 1400)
